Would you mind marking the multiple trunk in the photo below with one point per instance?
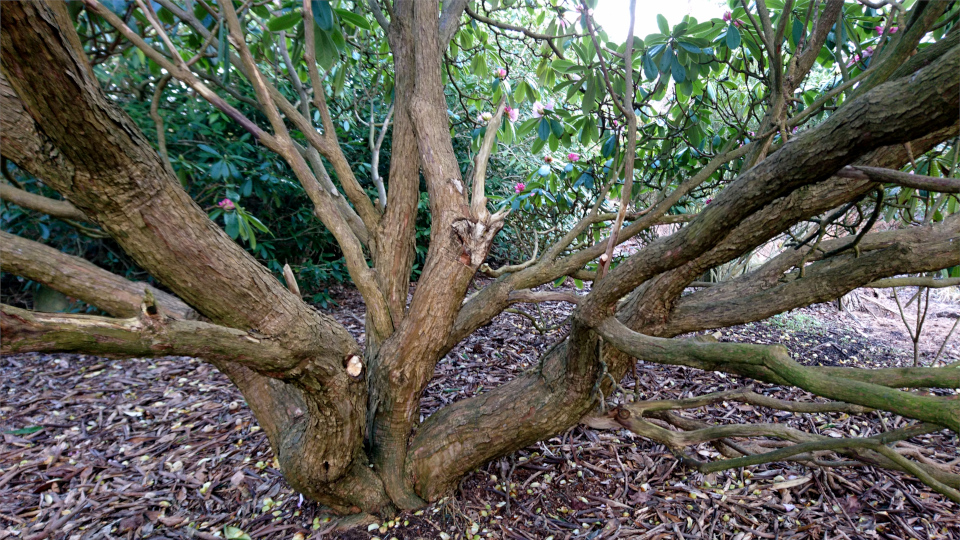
(351, 440)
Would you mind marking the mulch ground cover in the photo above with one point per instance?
(166, 448)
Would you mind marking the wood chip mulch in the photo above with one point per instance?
(165, 448)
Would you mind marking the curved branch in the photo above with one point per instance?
(450, 20)
(39, 203)
(744, 395)
(775, 360)
(933, 283)
(149, 334)
(890, 176)
(80, 279)
(862, 125)
(767, 291)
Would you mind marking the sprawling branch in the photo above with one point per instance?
(767, 291)
(776, 360)
(93, 154)
(890, 176)
(933, 283)
(450, 20)
(80, 279)
(927, 103)
(148, 334)
(39, 203)
(867, 449)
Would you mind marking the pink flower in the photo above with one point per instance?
(854, 60)
(512, 113)
(727, 16)
(894, 30)
(540, 109)
(226, 204)
(519, 187)
(573, 157)
(868, 51)
(738, 23)
(502, 73)
(708, 201)
(878, 29)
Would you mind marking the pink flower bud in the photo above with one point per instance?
(573, 157)
(512, 114)
(519, 187)
(502, 73)
(727, 16)
(226, 204)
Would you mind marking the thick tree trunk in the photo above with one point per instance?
(343, 434)
(90, 152)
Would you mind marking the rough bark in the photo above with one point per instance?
(91, 153)
(39, 203)
(80, 279)
(469, 423)
(290, 361)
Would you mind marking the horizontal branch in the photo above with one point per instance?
(774, 362)
(677, 440)
(892, 113)
(39, 203)
(890, 176)
(148, 334)
(746, 395)
(933, 283)
(536, 297)
(83, 280)
(785, 433)
(769, 289)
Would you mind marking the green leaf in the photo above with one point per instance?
(666, 60)
(797, 34)
(679, 73)
(662, 24)
(284, 22)
(223, 53)
(24, 431)
(538, 145)
(649, 67)
(556, 127)
(543, 130)
(232, 225)
(208, 149)
(563, 65)
(690, 47)
(325, 49)
(352, 18)
(590, 96)
(322, 14)
(609, 146)
(733, 37)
